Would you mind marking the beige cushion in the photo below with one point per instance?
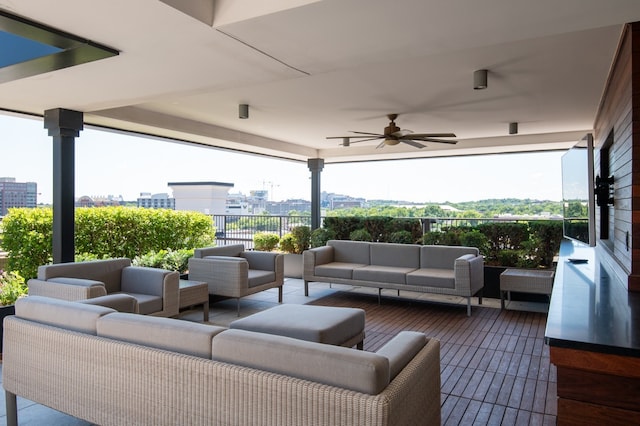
(119, 302)
(323, 324)
(147, 303)
(383, 274)
(82, 282)
(61, 313)
(432, 277)
(350, 251)
(332, 365)
(184, 337)
(229, 250)
(401, 349)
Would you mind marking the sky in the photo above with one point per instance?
(109, 163)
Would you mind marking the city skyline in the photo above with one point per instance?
(110, 163)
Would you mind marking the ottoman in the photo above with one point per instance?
(322, 324)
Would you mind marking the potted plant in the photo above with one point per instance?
(293, 244)
(12, 287)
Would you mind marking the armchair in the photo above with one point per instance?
(233, 272)
(155, 290)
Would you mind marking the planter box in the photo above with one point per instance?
(292, 265)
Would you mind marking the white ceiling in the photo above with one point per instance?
(312, 69)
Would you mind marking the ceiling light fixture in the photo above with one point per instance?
(243, 111)
(480, 79)
(513, 128)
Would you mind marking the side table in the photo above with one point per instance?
(194, 293)
(525, 281)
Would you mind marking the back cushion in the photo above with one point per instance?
(332, 365)
(61, 313)
(184, 337)
(107, 271)
(230, 250)
(400, 255)
(443, 257)
(350, 251)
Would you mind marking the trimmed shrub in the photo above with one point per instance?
(360, 235)
(301, 238)
(286, 243)
(173, 260)
(401, 237)
(265, 241)
(320, 236)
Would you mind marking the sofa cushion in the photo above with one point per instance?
(147, 303)
(186, 337)
(258, 277)
(399, 255)
(401, 349)
(233, 250)
(384, 274)
(432, 277)
(443, 257)
(350, 251)
(332, 365)
(83, 282)
(140, 279)
(337, 270)
(107, 271)
(61, 313)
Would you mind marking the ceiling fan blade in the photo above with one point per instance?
(412, 143)
(364, 133)
(433, 135)
(370, 139)
(451, 142)
(380, 145)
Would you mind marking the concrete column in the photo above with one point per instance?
(64, 126)
(315, 166)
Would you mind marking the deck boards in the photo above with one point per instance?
(494, 365)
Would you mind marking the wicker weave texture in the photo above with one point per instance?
(108, 382)
(527, 281)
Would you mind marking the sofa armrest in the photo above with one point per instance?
(401, 349)
(314, 257)
(66, 288)
(156, 282)
(220, 272)
(469, 273)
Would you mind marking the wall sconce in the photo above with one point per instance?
(243, 111)
(513, 128)
(604, 191)
(480, 79)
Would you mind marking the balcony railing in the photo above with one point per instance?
(239, 229)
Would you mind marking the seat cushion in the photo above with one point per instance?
(147, 303)
(323, 324)
(444, 257)
(350, 251)
(258, 277)
(432, 277)
(337, 270)
(382, 274)
(400, 255)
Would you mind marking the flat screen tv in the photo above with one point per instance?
(578, 198)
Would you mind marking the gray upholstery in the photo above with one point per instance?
(401, 349)
(451, 270)
(232, 272)
(61, 313)
(322, 324)
(184, 337)
(156, 290)
(332, 365)
(119, 301)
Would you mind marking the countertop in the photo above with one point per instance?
(590, 308)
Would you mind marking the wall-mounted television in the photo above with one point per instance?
(578, 197)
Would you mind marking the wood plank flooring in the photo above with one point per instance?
(495, 367)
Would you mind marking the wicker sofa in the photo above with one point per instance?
(155, 290)
(452, 270)
(112, 368)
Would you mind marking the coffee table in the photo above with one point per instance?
(194, 293)
(322, 324)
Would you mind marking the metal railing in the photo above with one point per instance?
(239, 229)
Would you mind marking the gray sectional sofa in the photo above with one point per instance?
(113, 368)
(452, 270)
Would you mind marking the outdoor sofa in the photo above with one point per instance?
(155, 290)
(112, 368)
(439, 269)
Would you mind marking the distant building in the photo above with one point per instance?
(17, 194)
(237, 204)
(282, 208)
(99, 201)
(204, 197)
(337, 201)
(156, 201)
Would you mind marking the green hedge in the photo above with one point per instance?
(380, 228)
(103, 233)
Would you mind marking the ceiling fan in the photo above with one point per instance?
(393, 135)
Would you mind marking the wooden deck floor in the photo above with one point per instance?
(495, 367)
